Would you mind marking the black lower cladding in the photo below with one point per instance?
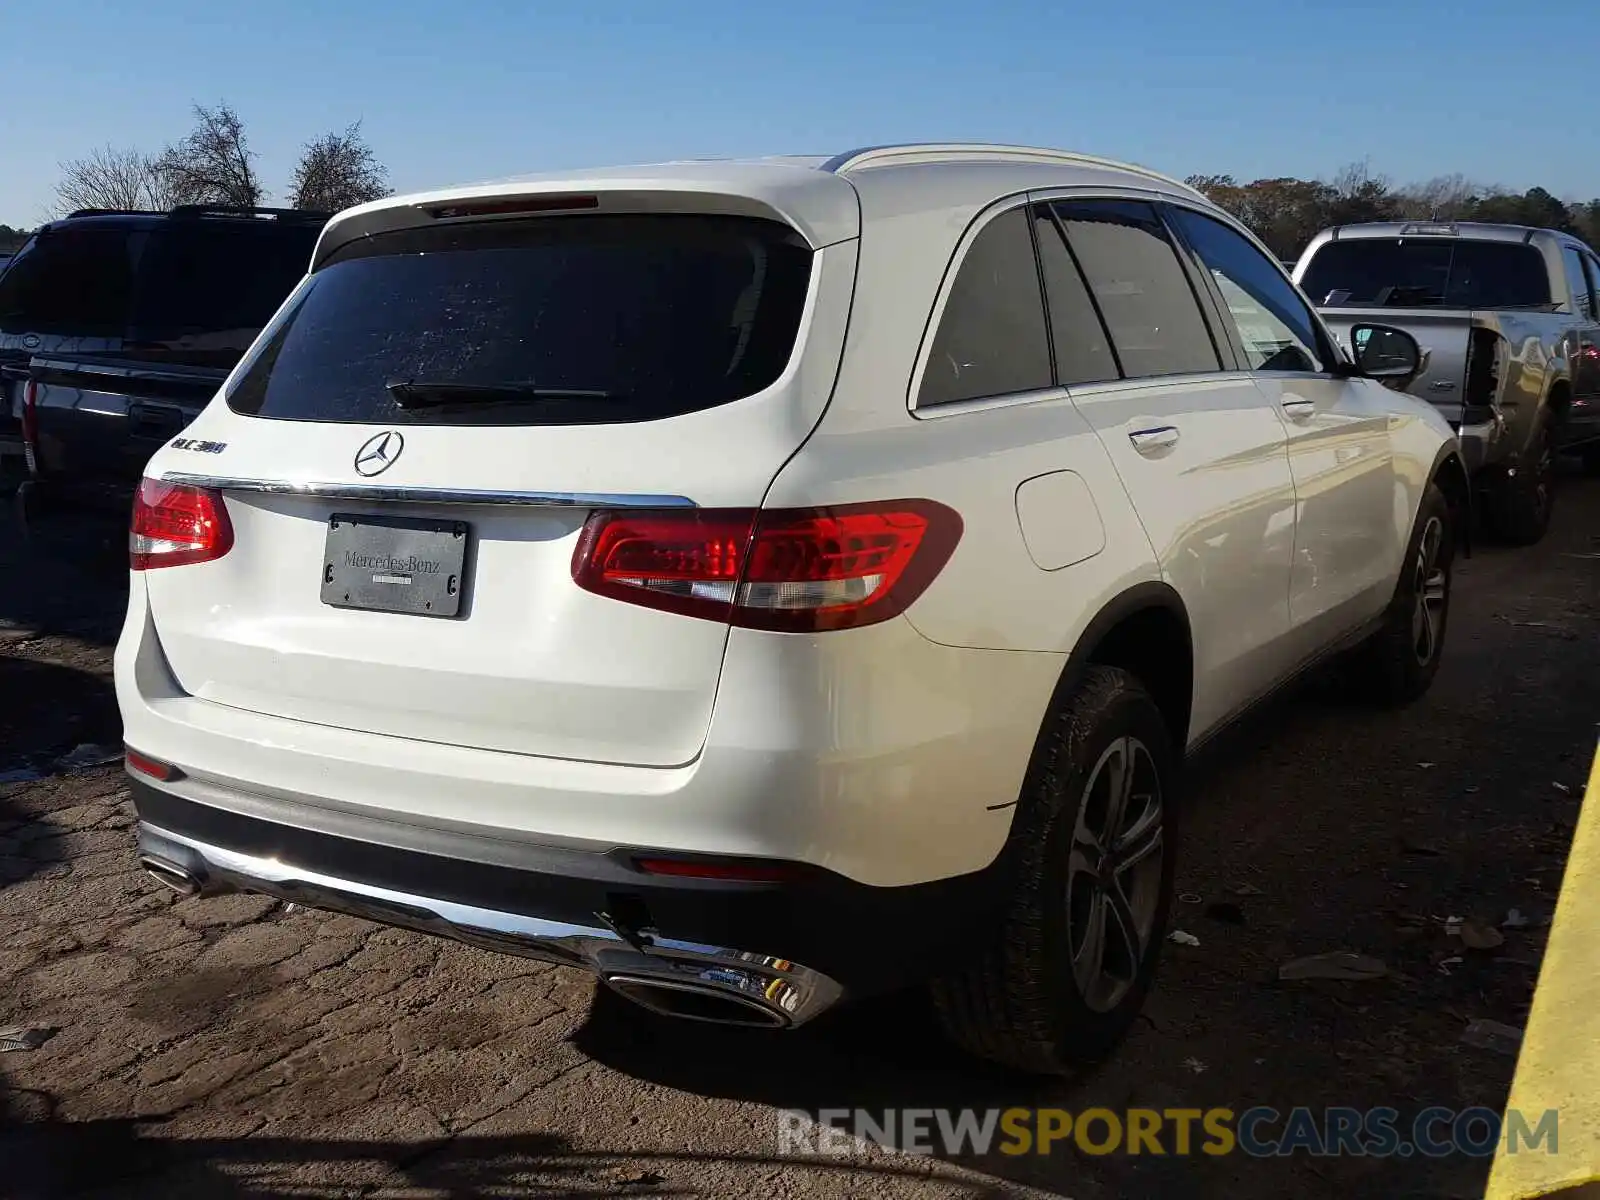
(869, 939)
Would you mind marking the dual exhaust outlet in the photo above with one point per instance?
(730, 989)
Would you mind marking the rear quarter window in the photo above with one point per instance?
(555, 320)
(991, 339)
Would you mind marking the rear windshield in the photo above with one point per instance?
(1426, 273)
(70, 281)
(557, 320)
(142, 282)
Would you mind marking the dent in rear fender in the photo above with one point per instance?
(901, 759)
(140, 673)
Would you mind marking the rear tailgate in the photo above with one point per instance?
(1444, 335)
(407, 569)
(100, 419)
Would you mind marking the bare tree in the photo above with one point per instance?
(1444, 198)
(113, 178)
(336, 171)
(214, 163)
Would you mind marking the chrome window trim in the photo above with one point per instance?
(1148, 382)
(956, 408)
(1085, 391)
(426, 495)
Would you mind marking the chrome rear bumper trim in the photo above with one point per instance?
(427, 495)
(790, 993)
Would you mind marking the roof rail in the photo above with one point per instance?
(112, 212)
(244, 210)
(911, 151)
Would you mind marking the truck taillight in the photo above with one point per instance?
(1482, 388)
(793, 570)
(30, 425)
(175, 524)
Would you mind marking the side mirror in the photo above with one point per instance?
(1386, 353)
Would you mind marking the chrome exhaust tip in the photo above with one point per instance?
(695, 1002)
(170, 875)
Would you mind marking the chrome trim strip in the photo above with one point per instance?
(427, 495)
(955, 408)
(791, 994)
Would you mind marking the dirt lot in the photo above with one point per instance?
(228, 1047)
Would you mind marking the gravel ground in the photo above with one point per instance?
(229, 1047)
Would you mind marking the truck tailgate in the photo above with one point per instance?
(98, 420)
(1444, 335)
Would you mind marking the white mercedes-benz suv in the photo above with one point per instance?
(762, 583)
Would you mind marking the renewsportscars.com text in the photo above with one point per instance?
(1259, 1132)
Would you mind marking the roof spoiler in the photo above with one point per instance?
(112, 212)
(305, 215)
(241, 210)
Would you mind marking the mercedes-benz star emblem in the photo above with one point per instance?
(377, 453)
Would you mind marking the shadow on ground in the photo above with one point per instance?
(46, 1158)
(50, 709)
(62, 574)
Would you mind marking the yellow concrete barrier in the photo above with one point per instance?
(1559, 1066)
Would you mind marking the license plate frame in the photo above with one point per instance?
(413, 566)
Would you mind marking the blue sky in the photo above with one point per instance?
(456, 90)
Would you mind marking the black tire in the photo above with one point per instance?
(1398, 663)
(1524, 500)
(1022, 1003)
(1591, 458)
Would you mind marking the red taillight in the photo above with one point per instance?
(523, 204)
(30, 425)
(796, 570)
(174, 524)
(731, 871)
(141, 764)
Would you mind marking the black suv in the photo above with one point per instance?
(116, 328)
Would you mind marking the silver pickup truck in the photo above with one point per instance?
(1509, 321)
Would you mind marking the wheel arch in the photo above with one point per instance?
(1144, 630)
(1450, 474)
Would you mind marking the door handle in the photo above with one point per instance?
(1148, 441)
(1299, 410)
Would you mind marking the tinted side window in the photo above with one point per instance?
(991, 339)
(1133, 270)
(1275, 326)
(1594, 286)
(1083, 351)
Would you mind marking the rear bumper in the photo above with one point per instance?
(872, 754)
(1482, 443)
(780, 952)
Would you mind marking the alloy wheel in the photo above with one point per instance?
(1430, 590)
(1114, 873)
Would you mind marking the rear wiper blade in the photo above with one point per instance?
(421, 393)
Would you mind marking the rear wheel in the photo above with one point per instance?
(1398, 664)
(1092, 844)
(1525, 499)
